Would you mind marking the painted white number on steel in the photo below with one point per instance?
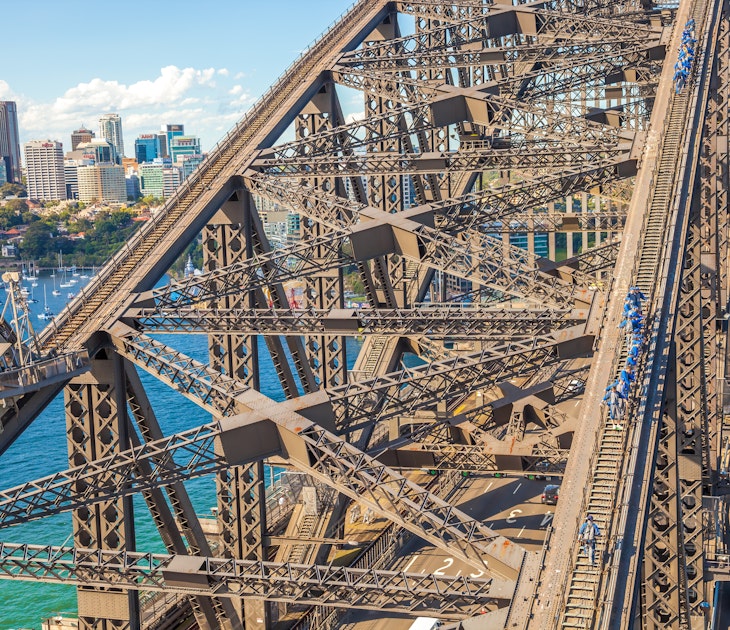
(447, 563)
(476, 575)
(547, 518)
(512, 518)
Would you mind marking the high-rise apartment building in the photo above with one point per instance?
(79, 136)
(110, 128)
(9, 141)
(44, 169)
(102, 182)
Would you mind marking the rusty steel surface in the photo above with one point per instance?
(511, 171)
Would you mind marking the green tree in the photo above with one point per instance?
(38, 241)
(17, 206)
(12, 190)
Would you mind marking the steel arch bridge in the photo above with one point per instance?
(513, 170)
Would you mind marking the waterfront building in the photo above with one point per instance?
(102, 182)
(3, 173)
(10, 141)
(80, 136)
(44, 169)
(110, 128)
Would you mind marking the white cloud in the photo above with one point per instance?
(354, 117)
(177, 95)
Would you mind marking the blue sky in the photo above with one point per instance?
(198, 63)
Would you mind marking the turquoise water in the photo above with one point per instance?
(41, 451)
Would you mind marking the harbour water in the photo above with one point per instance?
(41, 451)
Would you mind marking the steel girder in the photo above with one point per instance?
(470, 258)
(533, 86)
(500, 23)
(299, 260)
(493, 204)
(443, 596)
(438, 321)
(474, 52)
(177, 523)
(97, 427)
(513, 119)
(319, 452)
(515, 156)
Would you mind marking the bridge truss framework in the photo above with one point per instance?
(489, 134)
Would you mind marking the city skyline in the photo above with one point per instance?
(200, 75)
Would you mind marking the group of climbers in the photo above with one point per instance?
(683, 67)
(617, 393)
(633, 323)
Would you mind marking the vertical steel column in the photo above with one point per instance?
(384, 191)
(326, 353)
(240, 490)
(691, 424)
(714, 256)
(660, 583)
(177, 522)
(97, 426)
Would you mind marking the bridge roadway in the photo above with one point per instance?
(510, 504)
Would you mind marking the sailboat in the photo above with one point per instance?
(66, 284)
(31, 299)
(55, 291)
(47, 312)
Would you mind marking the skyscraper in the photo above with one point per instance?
(44, 167)
(81, 135)
(183, 145)
(9, 141)
(110, 128)
(172, 131)
(101, 151)
(147, 147)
